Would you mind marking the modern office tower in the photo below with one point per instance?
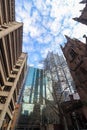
(35, 86)
(59, 74)
(76, 56)
(34, 97)
(38, 103)
(12, 62)
(38, 107)
(83, 17)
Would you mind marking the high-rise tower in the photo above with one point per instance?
(34, 97)
(12, 62)
(56, 67)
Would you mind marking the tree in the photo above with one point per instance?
(55, 72)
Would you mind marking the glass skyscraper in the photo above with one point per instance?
(35, 94)
(35, 86)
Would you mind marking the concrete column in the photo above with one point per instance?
(1, 17)
(6, 55)
(10, 43)
(14, 45)
(2, 70)
(6, 10)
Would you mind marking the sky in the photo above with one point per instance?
(45, 24)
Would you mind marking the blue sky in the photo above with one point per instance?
(45, 24)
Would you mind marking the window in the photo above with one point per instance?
(14, 72)
(7, 88)
(11, 79)
(72, 54)
(25, 112)
(17, 67)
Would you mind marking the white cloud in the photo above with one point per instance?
(45, 39)
(79, 32)
(55, 27)
(41, 6)
(31, 65)
(45, 51)
(35, 57)
(26, 38)
(40, 65)
(46, 23)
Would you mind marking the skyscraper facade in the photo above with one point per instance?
(38, 106)
(12, 62)
(34, 97)
(58, 72)
(35, 87)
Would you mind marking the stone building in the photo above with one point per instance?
(76, 56)
(75, 53)
(83, 17)
(12, 62)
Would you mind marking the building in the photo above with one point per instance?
(76, 56)
(12, 63)
(83, 17)
(35, 88)
(37, 105)
(7, 11)
(83, 1)
(58, 72)
(34, 97)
